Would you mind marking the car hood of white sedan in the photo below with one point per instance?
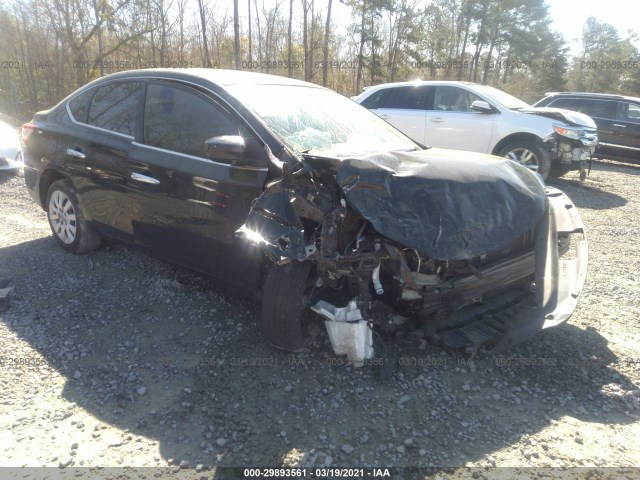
(567, 116)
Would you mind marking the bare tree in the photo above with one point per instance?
(325, 50)
(236, 34)
(290, 42)
(206, 60)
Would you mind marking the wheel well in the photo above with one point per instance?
(515, 137)
(47, 178)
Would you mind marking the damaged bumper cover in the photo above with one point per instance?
(560, 265)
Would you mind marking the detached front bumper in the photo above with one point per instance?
(560, 265)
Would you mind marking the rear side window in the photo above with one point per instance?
(115, 107)
(181, 120)
(405, 98)
(377, 99)
(79, 106)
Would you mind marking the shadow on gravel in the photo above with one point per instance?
(593, 193)
(152, 349)
(6, 175)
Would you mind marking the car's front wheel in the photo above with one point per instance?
(287, 293)
(67, 221)
(530, 155)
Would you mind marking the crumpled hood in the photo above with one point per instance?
(566, 116)
(449, 205)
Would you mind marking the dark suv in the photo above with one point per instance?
(617, 118)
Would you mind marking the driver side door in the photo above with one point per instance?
(188, 203)
(451, 123)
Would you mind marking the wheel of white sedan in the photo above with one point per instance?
(66, 220)
(530, 155)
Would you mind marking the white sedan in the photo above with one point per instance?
(479, 118)
(10, 149)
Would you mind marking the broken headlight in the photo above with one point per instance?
(573, 133)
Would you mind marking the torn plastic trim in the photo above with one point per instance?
(570, 275)
(273, 224)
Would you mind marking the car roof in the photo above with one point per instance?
(423, 82)
(223, 78)
(611, 96)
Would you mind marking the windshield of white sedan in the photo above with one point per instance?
(503, 98)
(321, 122)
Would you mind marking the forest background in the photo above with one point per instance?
(49, 48)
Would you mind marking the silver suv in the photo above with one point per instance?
(479, 118)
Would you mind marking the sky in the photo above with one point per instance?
(568, 17)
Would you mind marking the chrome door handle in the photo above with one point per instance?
(145, 179)
(618, 125)
(437, 120)
(75, 153)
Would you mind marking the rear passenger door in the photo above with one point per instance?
(403, 107)
(188, 205)
(95, 153)
(627, 128)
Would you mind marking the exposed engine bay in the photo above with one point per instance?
(470, 248)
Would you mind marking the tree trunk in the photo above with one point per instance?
(236, 34)
(464, 48)
(205, 60)
(250, 57)
(325, 53)
(289, 42)
(96, 13)
(361, 50)
(305, 40)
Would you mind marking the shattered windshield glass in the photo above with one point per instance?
(321, 122)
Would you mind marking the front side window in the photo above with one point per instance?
(629, 112)
(598, 108)
(567, 103)
(453, 99)
(182, 120)
(115, 107)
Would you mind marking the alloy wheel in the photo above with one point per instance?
(62, 216)
(524, 157)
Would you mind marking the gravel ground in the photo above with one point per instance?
(117, 359)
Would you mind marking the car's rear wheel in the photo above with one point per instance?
(530, 155)
(287, 292)
(67, 221)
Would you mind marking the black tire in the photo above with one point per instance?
(67, 221)
(529, 154)
(285, 301)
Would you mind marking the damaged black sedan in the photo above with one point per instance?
(296, 195)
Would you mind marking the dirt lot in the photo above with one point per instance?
(117, 359)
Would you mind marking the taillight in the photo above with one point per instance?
(27, 130)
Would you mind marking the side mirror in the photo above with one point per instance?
(226, 148)
(481, 106)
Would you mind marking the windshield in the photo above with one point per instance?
(321, 122)
(503, 98)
